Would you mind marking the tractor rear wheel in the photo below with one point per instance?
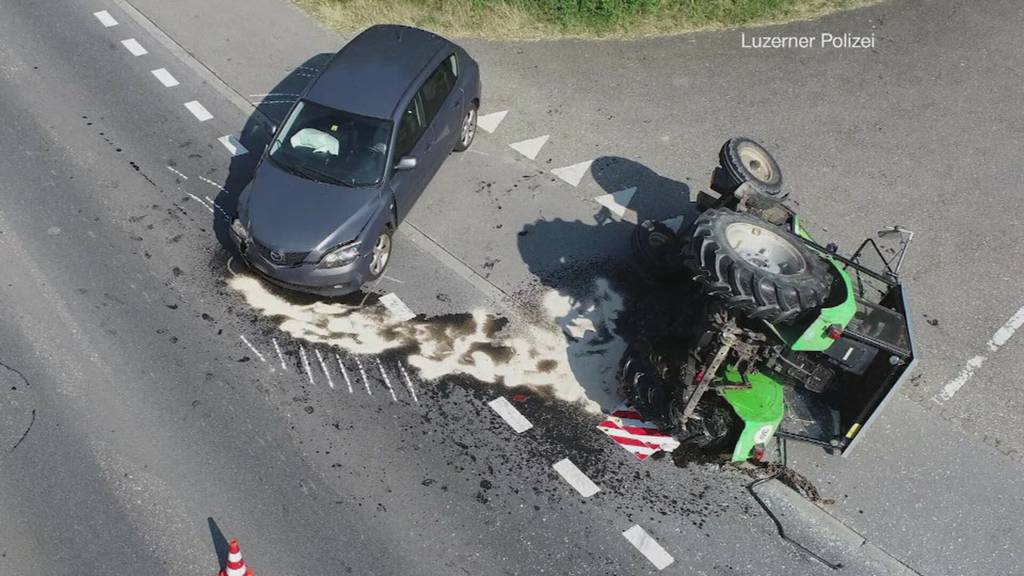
(759, 270)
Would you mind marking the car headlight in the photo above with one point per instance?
(342, 256)
(239, 229)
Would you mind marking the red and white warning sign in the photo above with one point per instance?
(627, 428)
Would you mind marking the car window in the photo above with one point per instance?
(437, 87)
(320, 143)
(411, 127)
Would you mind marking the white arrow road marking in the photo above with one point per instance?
(323, 367)
(198, 110)
(510, 415)
(647, 546)
(341, 366)
(253, 348)
(279, 355)
(134, 47)
(399, 311)
(1001, 337)
(305, 365)
(362, 372)
(674, 223)
(489, 122)
(165, 77)
(408, 383)
(576, 478)
(530, 148)
(573, 174)
(105, 18)
(617, 203)
(387, 381)
(233, 145)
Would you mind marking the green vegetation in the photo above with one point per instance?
(536, 19)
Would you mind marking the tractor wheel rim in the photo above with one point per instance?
(381, 254)
(757, 162)
(469, 127)
(764, 248)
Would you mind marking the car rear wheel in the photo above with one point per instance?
(381, 254)
(468, 130)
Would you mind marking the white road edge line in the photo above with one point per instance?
(387, 381)
(408, 383)
(212, 183)
(165, 77)
(1000, 338)
(510, 415)
(198, 110)
(344, 373)
(105, 18)
(305, 364)
(279, 355)
(253, 348)
(647, 546)
(323, 367)
(575, 477)
(362, 372)
(233, 145)
(134, 47)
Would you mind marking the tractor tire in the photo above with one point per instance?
(759, 270)
(745, 161)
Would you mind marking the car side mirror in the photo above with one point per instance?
(406, 163)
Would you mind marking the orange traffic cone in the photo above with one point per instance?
(236, 566)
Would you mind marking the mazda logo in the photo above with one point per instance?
(276, 255)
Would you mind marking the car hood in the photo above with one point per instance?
(292, 214)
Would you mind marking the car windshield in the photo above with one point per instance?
(328, 145)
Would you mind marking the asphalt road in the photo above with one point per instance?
(155, 429)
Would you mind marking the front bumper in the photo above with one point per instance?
(307, 277)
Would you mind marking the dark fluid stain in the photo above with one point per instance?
(499, 354)
(546, 366)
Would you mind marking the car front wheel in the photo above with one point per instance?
(381, 254)
(468, 130)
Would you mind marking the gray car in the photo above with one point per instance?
(352, 157)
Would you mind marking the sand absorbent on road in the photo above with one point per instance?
(573, 354)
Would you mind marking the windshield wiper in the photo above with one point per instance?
(324, 177)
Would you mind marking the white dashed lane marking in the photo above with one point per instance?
(647, 546)
(165, 77)
(1001, 337)
(180, 175)
(576, 478)
(573, 174)
(200, 200)
(280, 356)
(510, 415)
(134, 47)
(105, 18)
(323, 366)
(197, 110)
(489, 122)
(305, 365)
(399, 311)
(408, 383)
(233, 145)
(387, 381)
(530, 148)
(344, 372)
(253, 348)
(362, 372)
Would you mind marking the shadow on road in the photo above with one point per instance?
(257, 134)
(220, 543)
(606, 301)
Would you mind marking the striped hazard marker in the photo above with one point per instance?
(641, 438)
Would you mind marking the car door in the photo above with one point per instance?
(410, 140)
(443, 104)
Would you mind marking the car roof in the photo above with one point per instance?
(371, 73)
